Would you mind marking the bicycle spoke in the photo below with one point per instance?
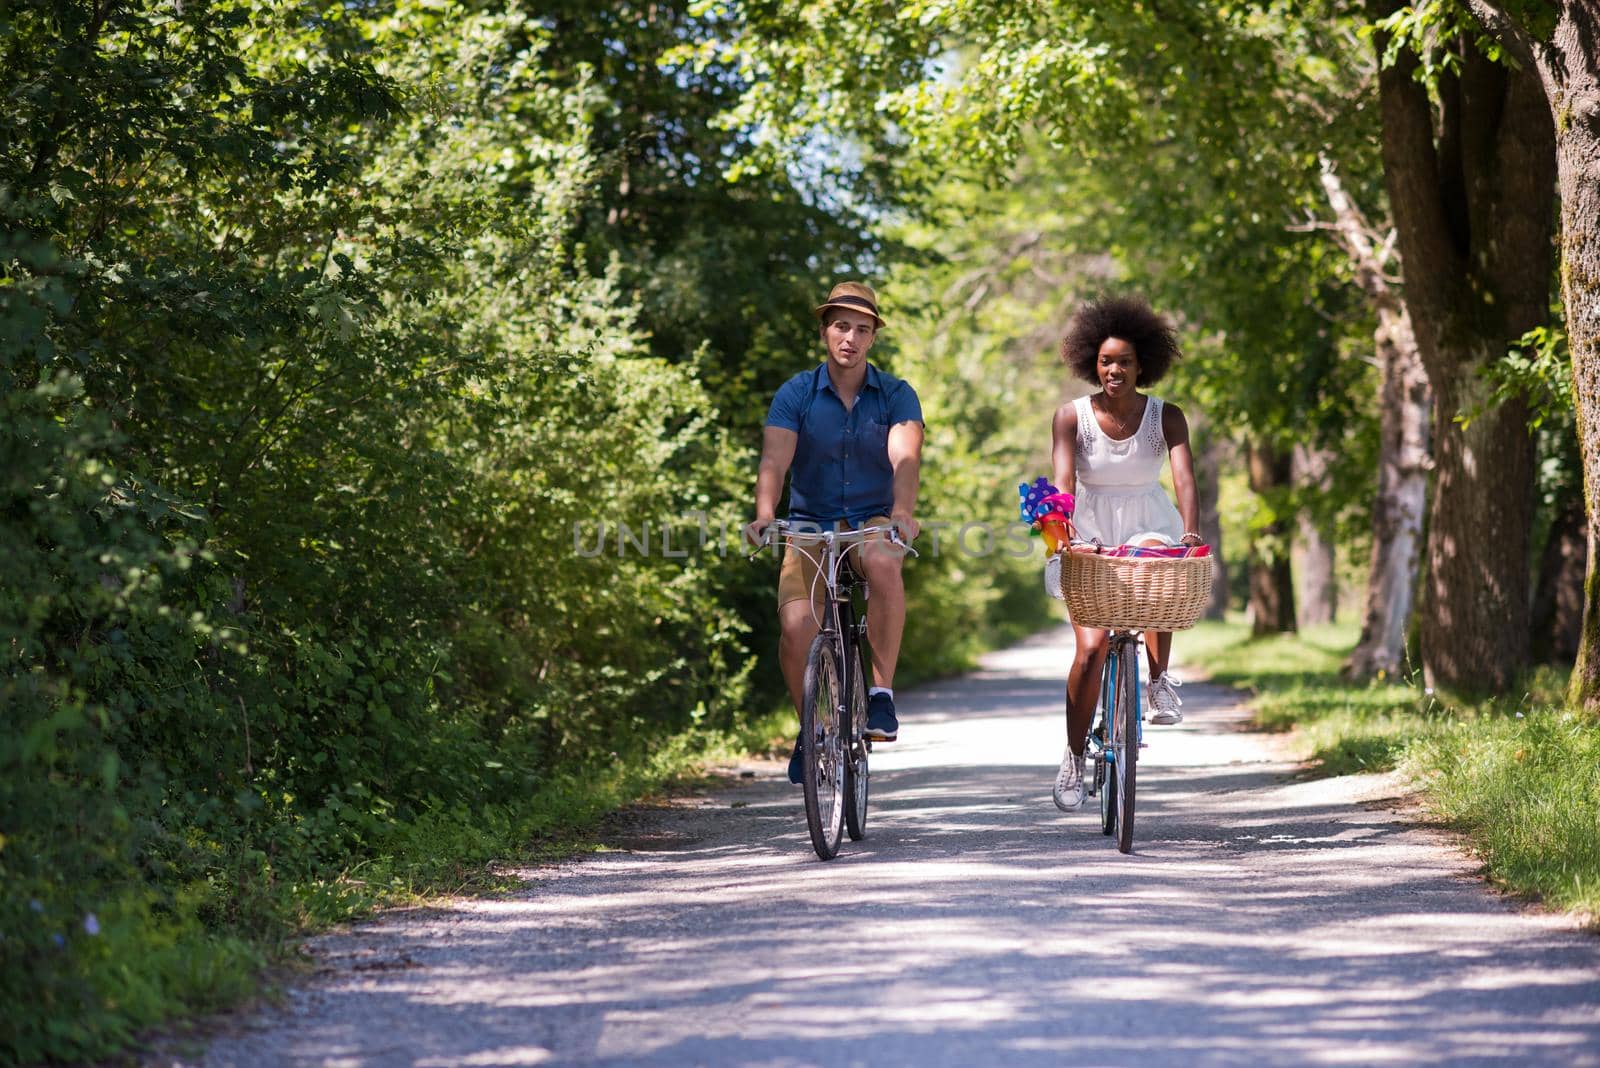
(1125, 705)
(854, 750)
(820, 723)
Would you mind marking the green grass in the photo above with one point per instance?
(1519, 775)
(461, 852)
(1343, 728)
(1527, 791)
(154, 967)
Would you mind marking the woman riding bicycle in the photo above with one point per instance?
(1108, 448)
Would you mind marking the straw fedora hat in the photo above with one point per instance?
(856, 296)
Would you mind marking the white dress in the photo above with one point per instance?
(1119, 499)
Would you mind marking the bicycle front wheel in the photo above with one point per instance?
(1106, 785)
(855, 750)
(1105, 779)
(824, 749)
(1125, 734)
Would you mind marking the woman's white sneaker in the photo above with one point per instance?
(1068, 793)
(1162, 697)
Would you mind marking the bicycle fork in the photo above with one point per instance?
(852, 630)
(1103, 757)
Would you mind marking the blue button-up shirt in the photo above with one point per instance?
(841, 464)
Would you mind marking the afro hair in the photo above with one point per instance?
(1153, 338)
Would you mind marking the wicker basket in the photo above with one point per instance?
(1135, 592)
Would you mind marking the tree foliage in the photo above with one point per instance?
(304, 393)
(1200, 182)
(339, 343)
(1153, 93)
(338, 346)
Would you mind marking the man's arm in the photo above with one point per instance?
(777, 453)
(905, 456)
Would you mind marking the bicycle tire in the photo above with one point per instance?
(819, 733)
(857, 778)
(1126, 709)
(1105, 780)
(1107, 785)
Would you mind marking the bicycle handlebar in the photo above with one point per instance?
(787, 529)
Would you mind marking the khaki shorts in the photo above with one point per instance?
(797, 577)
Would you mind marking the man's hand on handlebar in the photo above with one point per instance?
(906, 526)
(755, 532)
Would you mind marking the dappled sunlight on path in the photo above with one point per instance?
(1263, 916)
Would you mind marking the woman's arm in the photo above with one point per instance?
(1064, 452)
(1175, 428)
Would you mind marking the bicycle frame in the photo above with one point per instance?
(840, 580)
(840, 621)
(1116, 804)
(846, 630)
(842, 631)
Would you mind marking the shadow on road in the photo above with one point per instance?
(1262, 917)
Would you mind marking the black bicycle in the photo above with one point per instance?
(833, 710)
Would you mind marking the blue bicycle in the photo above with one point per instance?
(1116, 737)
(1127, 596)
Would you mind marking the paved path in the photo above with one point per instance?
(1263, 919)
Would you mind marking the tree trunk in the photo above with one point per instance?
(1558, 595)
(1271, 579)
(1575, 105)
(1403, 461)
(1569, 72)
(1405, 407)
(1314, 557)
(1475, 621)
(1473, 212)
(1208, 469)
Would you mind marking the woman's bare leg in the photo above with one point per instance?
(1158, 646)
(1083, 684)
(1157, 643)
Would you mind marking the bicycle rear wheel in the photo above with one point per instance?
(824, 751)
(1125, 744)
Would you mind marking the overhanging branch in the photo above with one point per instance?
(1513, 35)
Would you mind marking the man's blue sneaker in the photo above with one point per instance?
(882, 726)
(797, 765)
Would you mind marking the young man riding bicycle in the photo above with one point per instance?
(849, 436)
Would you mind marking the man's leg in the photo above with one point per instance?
(798, 629)
(881, 563)
(797, 626)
